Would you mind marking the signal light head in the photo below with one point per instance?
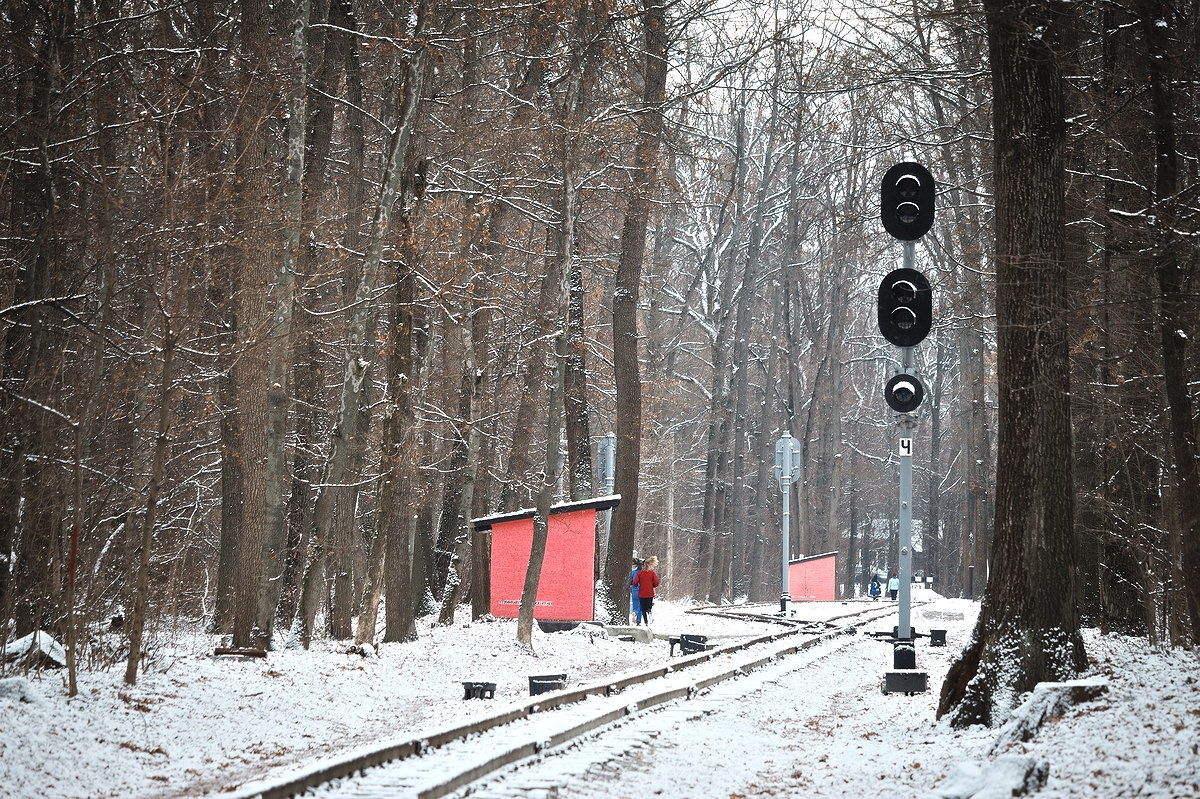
(904, 393)
(905, 307)
(906, 206)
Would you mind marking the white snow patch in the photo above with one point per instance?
(196, 725)
(37, 646)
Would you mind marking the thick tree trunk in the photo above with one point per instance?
(626, 369)
(279, 366)
(399, 167)
(1028, 628)
(579, 451)
(255, 255)
(1177, 311)
(341, 46)
(391, 543)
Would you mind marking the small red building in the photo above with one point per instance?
(566, 590)
(813, 578)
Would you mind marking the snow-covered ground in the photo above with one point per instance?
(815, 725)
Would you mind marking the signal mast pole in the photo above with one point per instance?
(905, 318)
(907, 423)
(787, 470)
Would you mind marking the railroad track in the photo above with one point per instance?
(440, 761)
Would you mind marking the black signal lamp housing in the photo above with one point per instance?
(905, 307)
(904, 393)
(906, 201)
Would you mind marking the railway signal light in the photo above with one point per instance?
(904, 393)
(905, 307)
(787, 460)
(907, 201)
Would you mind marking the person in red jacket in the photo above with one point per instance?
(645, 581)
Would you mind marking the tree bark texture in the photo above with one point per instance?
(626, 368)
(399, 174)
(281, 354)
(1028, 628)
(1177, 323)
(256, 252)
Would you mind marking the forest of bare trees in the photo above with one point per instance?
(292, 291)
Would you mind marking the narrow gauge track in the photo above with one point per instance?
(446, 759)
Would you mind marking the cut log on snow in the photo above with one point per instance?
(38, 650)
(1048, 700)
(1007, 776)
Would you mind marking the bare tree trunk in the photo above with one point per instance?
(137, 619)
(399, 166)
(626, 369)
(455, 529)
(390, 525)
(579, 452)
(278, 391)
(741, 516)
(931, 545)
(768, 417)
(1177, 323)
(533, 573)
(253, 210)
(554, 414)
(1028, 628)
(481, 550)
(305, 518)
(393, 526)
(29, 591)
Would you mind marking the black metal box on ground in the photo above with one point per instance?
(543, 683)
(937, 637)
(905, 682)
(479, 690)
(904, 655)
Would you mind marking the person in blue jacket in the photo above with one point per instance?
(635, 604)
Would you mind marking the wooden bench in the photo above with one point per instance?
(690, 644)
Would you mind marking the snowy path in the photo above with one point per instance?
(197, 726)
(744, 736)
(781, 730)
(460, 762)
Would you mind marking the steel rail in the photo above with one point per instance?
(380, 753)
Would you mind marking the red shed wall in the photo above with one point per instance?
(566, 588)
(813, 579)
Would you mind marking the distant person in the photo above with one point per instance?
(875, 589)
(645, 582)
(635, 604)
(893, 586)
